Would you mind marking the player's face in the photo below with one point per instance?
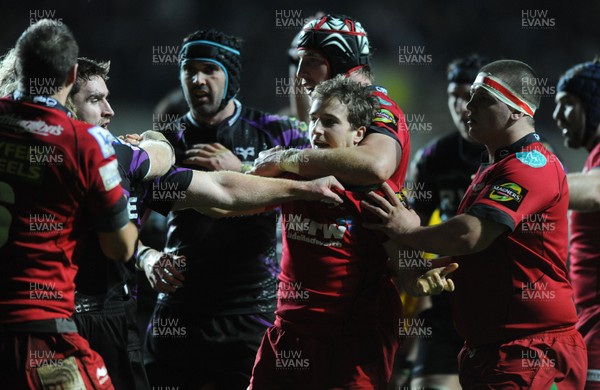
(569, 115)
(329, 126)
(487, 116)
(313, 69)
(203, 87)
(91, 102)
(459, 95)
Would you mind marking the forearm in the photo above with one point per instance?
(358, 166)
(236, 191)
(243, 192)
(584, 191)
(460, 235)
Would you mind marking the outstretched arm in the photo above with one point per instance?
(236, 191)
(584, 190)
(372, 161)
(459, 235)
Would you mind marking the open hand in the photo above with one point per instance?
(213, 157)
(435, 281)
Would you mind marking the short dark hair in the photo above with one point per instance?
(519, 76)
(356, 97)
(87, 69)
(464, 70)
(46, 50)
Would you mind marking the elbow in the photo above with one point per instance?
(463, 245)
(120, 246)
(381, 171)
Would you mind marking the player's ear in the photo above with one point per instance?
(72, 75)
(516, 114)
(360, 134)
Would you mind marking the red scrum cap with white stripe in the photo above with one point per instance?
(341, 39)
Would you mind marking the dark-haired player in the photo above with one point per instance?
(57, 177)
(228, 297)
(105, 296)
(577, 114)
(513, 302)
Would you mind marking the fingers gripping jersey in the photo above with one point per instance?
(52, 168)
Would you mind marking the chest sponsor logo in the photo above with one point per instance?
(508, 194)
(313, 232)
(35, 127)
(533, 158)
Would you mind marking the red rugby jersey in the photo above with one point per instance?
(518, 285)
(333, 271)
(52, 169)
(584, 247)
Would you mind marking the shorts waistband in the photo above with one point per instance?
(55, 325)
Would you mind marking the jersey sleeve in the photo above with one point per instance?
(105, 196)
(519, 191)
(389, 118)
(168, 189)
(133, 160)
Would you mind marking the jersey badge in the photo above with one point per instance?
(508, 194)
(533, 158)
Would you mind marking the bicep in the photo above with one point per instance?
(384, 148)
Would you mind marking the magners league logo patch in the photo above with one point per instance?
(508, 194)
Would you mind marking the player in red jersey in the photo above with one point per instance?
(52, 170)
(513, 301)
(577, 114)
(338, 45)
(337, 312)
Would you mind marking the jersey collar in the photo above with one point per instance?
(47, 101)
(516, 147)
(230, 121)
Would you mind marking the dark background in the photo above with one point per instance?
(127, 32)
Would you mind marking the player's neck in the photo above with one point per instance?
(509, 137)
(62, 95)
(219, 117)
